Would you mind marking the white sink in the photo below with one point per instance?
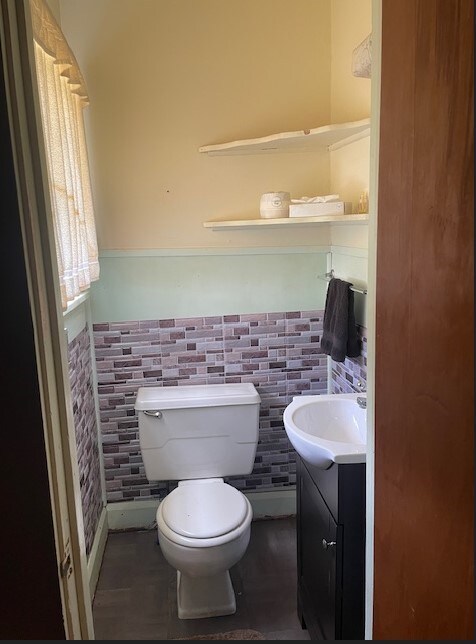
(327, 429)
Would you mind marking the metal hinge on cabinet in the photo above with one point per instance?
(66, 567)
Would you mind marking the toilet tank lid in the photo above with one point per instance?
(189, 396)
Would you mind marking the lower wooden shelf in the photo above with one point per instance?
(285, 222)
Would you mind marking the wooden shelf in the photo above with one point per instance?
(285, 222)
(331, 137)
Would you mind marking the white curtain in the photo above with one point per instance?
(63, 97)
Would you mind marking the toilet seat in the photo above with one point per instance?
(203, 513)
(204, 509)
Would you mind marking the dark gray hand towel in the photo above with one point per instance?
(340, 337)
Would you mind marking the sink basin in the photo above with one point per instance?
(327, 429)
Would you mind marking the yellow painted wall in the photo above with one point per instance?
(167, 76)
(351, 23)
(350, 100)
(349, 169)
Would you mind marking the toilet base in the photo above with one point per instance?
(199, 597)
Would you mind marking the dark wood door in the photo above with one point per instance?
(424, 344)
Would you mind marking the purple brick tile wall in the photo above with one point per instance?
(278, 352)
(350, 376)
(82, 393)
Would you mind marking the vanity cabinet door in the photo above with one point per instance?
(319, 551)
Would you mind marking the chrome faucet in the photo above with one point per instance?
(362, 402)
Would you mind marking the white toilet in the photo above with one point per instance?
(197, 435)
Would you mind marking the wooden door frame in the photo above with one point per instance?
(371, 311)
(28, 540)
(50, 340)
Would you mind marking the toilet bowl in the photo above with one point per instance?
(204, 530)
(197, 435)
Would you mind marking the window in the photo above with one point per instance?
(63, 97)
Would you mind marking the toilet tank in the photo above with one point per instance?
(198, 431)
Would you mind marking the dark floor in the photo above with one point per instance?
(136, 594)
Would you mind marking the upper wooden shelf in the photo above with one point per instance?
(331, 137)
(285, 222)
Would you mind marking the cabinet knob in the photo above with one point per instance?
(328, 544)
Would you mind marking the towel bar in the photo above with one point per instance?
(328, 276)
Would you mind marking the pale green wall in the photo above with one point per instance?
(349, 259)
(351, 264)
(141, 287)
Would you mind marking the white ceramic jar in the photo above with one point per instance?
(273, 205)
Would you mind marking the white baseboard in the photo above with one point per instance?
(97, 551)
(129, 515)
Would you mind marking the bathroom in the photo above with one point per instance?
(180, 304)
(195, 289)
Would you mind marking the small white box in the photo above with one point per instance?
(318, 209)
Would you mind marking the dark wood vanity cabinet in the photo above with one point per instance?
(331, 550)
